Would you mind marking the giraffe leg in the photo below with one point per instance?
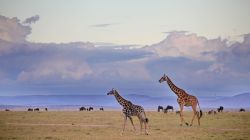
(132, 123)
(198, 117)
(146, 127)
(181, 115)
(125, 121)
(140, 125)
(181, 107)
(195, 114)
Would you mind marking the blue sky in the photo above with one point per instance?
(89, 47)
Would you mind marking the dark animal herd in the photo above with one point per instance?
(89, 108)
(210, 112)
(165, 110)
(159, 109)
(220, 109)
(46, 109)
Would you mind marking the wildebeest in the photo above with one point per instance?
(220, 109)
(242, 110)
(90, 108)
(177, 112)
(210, 112)
(36, 109)
(168, 108)
(82, 108)
(46, 109)
(30, 109)
(102, 109)
(7, 110)
(160, 108)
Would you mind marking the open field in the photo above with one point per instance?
(107, 125)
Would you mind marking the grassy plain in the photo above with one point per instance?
(67, 125)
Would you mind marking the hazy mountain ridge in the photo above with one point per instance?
(240, 100)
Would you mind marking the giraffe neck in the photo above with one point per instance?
(174, 88)
(120, 100)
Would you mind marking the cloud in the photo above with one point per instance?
(59, 67)
(236, 58)
(227, 71)
(56, 69)
(232, 63)
(176, 32)
(117, 46)
(104, 25)
(12, 30)
(180, 44)
(87, 68)
(31, 20)
(199, 65)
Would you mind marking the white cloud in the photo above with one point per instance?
(180, 44)
(12, 30)
(104, 25)
(236, 58)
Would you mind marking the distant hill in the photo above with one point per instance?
(240, 100)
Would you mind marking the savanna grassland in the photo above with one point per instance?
(107, 125)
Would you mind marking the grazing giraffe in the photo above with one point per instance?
(183, 99)
(130, 110)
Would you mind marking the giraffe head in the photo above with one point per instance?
(112, 92)
(163, 78)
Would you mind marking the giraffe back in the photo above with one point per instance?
(133, 110)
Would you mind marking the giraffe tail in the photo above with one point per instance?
(146, 119)
(200, 114)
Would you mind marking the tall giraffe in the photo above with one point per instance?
(184, 99)
(130, 110)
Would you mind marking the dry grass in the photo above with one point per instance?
(107, 125)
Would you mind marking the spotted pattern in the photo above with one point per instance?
(129, 110)
(184, 99)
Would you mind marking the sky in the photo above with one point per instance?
(90, 46)
(142, 22)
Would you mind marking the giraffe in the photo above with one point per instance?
(130, 110)
(184, 99)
